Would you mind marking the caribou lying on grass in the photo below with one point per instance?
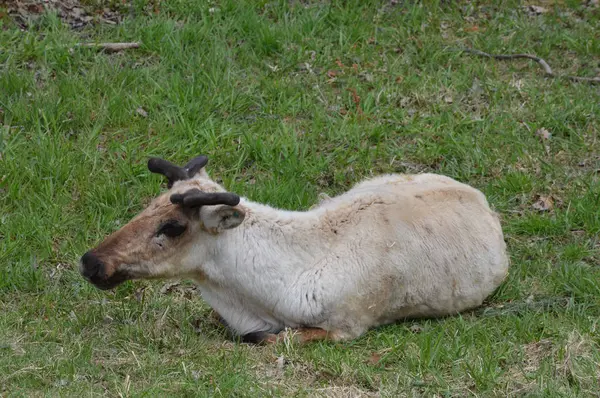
(393, 247)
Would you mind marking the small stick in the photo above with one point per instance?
(542, 62)
(111, 47)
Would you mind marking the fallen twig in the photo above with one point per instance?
(542, 62)
(111, 47)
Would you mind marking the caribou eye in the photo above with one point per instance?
(171, 228)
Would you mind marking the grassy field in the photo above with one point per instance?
(290, 99)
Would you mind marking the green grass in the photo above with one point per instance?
(265, 89)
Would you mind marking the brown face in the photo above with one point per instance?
(136, 250)
(153, 244)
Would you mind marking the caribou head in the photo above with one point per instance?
(165, 239)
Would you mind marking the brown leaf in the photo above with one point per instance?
(374, 359)
(35, 8)
(355, 96)
(331, 74)
(473, 28)
(339, 63)
(141, 111)
(543, 203)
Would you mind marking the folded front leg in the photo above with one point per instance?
(299, 336)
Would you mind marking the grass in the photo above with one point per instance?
(290, 99)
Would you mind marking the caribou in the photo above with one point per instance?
(393, 247)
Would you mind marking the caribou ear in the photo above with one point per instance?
(218, 210)
(216, 219)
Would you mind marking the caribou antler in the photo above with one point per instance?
(196, 198)
(175, 173)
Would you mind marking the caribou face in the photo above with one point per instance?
(166, 239)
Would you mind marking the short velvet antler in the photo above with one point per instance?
(175, 173)
(196, 198)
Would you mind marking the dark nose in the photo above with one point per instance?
(91, 265)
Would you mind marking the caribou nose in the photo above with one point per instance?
(90, 265)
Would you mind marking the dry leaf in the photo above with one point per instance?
(331, 74)
(168, 287)
(518, 84)
(61, 383)
(197, 325)
(141, 111)
(280, 362)
(543, 203)
(543, 134)
(374, 359)
(533, 11)
(592, 3)
(476, 89)
(139, 293)
(368, 77)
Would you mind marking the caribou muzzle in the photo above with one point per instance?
(95, 270)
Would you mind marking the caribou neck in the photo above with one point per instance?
(270, 245)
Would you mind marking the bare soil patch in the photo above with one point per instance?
(71, 12)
